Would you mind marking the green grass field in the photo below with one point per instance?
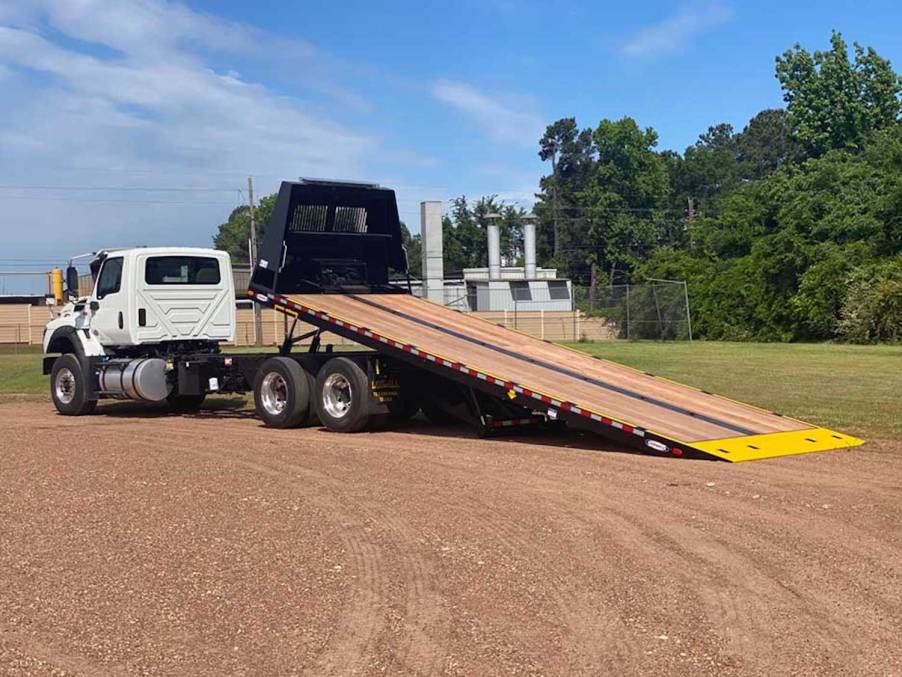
(855, 389)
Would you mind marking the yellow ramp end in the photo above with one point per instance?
(754, 447)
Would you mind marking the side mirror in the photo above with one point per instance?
(72, 281)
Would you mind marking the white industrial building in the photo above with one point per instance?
(497, 287)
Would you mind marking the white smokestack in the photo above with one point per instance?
(494, 231)
(529, 249)
(431, 238)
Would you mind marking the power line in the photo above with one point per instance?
(54, 198)
(149, 189)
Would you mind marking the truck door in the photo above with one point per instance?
(109, 322)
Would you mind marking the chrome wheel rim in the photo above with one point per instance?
(274, 393)
(337, 395)
(64, 386)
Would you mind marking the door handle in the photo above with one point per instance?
(142, 317)
(121, 323)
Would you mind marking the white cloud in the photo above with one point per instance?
(153, 27)
(119, 92)
(674, 33)
(503, 122)
(183, 109)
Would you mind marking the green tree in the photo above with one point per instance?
(766, 142)
(709, 167)
(801, 254)
(628, 190)
(233, 235)
(560, 206)
(834, 102)
(414, 247)
(872, 307)
(463, 239)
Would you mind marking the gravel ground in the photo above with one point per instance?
(140, 543)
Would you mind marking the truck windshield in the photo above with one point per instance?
(181, 270)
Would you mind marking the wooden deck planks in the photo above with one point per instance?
(407, 319)
(604, 370)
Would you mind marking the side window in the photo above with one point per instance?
(181, 270)
(110, 277)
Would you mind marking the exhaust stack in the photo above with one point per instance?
(529, 248)
(494, 231)
(433, 264)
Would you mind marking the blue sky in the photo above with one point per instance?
(103, 100)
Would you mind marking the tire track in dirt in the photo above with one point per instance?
(479, 557)
(352, 644)
(380, 539)
(505, 533)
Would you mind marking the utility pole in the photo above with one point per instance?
(258, 316)
(554, 207)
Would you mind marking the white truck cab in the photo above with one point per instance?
(148, 307)
(147, 297)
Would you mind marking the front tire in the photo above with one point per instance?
(282, 393)
(343, 396)
(69, 388)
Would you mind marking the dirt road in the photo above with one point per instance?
(150, 544)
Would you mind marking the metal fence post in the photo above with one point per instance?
(654, 295)
(573, 311)
(688, 316)
(627, 312)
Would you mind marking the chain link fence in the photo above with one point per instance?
(556, 310)
(656, 310)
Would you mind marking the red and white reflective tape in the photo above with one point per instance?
(457, 366)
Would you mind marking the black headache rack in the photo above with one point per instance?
(330, 237)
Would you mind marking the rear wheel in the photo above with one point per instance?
(68, 387)
(282, 393)
(342, 396)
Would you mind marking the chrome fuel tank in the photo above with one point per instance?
(139, 379)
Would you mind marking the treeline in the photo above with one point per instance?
(790, 229)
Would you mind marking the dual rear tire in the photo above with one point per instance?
(282, 393)
(287, 396)
(343, 396)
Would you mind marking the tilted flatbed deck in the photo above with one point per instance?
(660, 414)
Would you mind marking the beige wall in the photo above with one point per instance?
(24, 324)
(275, 324)
(552, 325)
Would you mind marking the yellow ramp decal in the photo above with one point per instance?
(754, 447)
